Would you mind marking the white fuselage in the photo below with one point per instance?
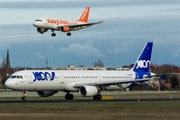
(55, 24)
(64, 80)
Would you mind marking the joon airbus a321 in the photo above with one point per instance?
(87, 83)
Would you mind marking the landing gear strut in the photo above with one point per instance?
(24, 98)
(97, 97)
(69, 96)
(53, 34)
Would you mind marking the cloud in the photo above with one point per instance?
(175, 53)
(128, 26)
(117, 51)
(39, 56)
(81, 51)
(54, 4)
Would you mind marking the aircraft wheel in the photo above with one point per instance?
(24, 98)
(53, 34)
(97, 97)
(68, 34)
(69, 96)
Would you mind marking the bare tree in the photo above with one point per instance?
(99, 63)
(3, 71)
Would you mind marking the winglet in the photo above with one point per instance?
(143, 62)
(85, 15)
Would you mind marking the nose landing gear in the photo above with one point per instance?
(24, 98)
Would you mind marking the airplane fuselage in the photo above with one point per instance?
(86, 82)
(64, 25)
(55, 24)
(64, 80)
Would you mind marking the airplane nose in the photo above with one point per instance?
(9, 83)
(35, 24)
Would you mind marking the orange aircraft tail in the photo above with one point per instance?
(85, 15)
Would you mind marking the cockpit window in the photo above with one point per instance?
(17, 76)
(13, 76)
(39, 20)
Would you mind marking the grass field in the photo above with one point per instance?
(92, 111)
(1, 86)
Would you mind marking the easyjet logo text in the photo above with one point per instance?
(43, 76)
(143, 64)
(60, 21)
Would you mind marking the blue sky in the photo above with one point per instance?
(128, 25)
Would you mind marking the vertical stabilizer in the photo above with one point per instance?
(143, 62)
(85, 15)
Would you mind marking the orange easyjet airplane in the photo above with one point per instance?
(45, 24)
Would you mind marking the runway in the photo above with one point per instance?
(89, 101)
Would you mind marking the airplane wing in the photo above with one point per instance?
(137, 81)
(85, 24)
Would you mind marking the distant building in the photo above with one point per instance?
(72, 67)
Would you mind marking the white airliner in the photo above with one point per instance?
(45, 24)
(87, 82)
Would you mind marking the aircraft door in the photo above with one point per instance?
(31, 84)
(61, 78)
(99, 77)
(29, 78)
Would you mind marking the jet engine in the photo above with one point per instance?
(46, 93)
(42, 30)
(88, 91)
(65, 29)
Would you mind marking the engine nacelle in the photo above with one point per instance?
(42, 30)
(65, 29)
(88, 91)
(46, 93)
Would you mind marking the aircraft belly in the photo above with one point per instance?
(112, 87)
(78, 28)
(117, 87)
(70, 87)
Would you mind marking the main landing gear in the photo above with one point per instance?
(68, 34)
(24, 98)
(69, 96)
(53, 34)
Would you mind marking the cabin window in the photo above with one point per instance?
(39, 20)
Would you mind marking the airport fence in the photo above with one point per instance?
(13, 93)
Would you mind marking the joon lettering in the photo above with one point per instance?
(143, 64)
(43, 76)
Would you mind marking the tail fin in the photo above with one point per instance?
(85, 15)
(143, 62)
